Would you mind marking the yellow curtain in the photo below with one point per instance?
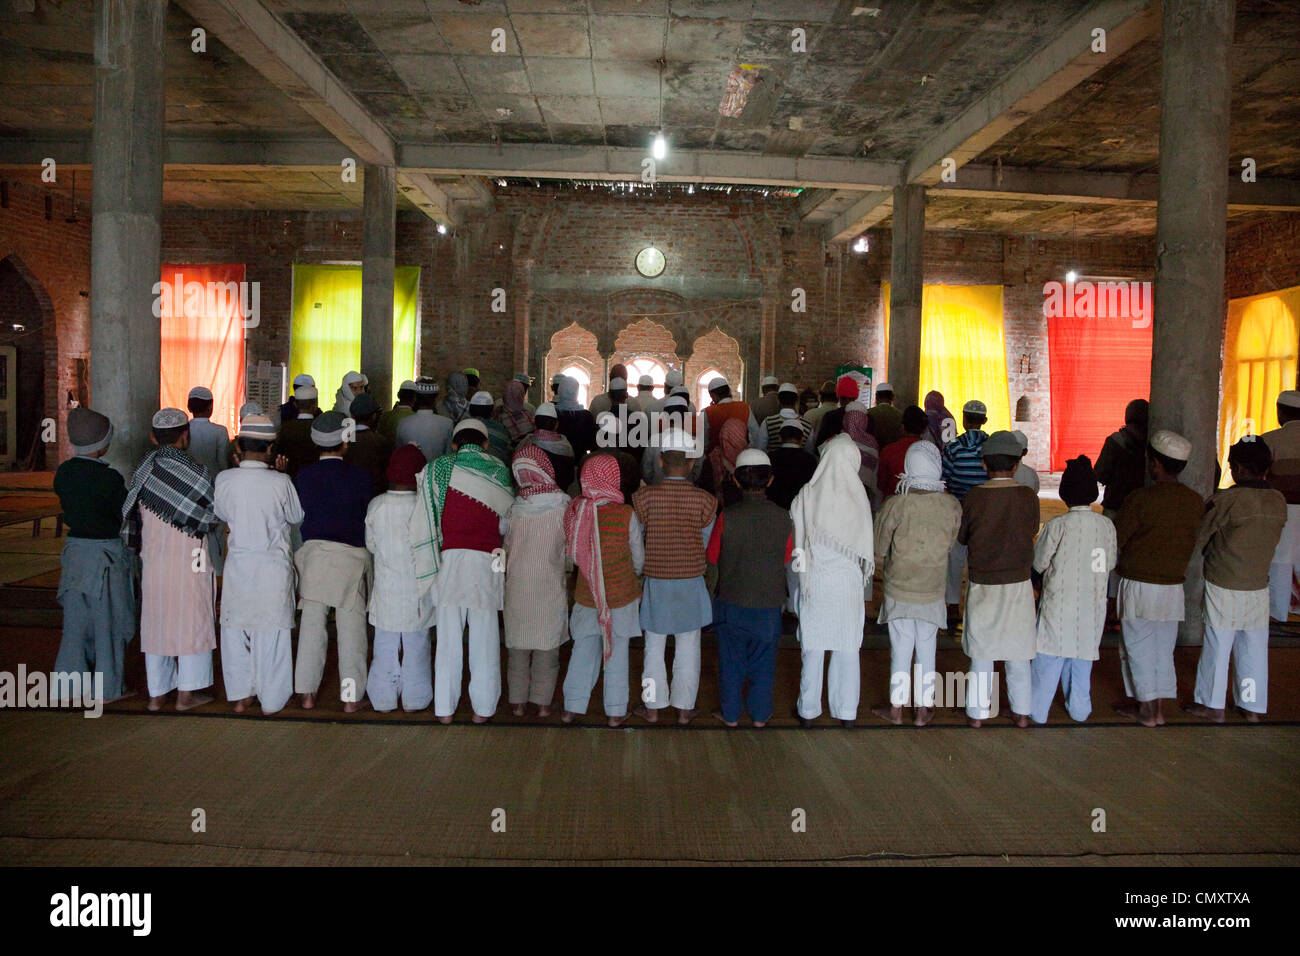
(325, 333)
(963, 354)
(1259, 360)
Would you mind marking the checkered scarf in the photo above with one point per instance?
(176, 488)
(473, 473)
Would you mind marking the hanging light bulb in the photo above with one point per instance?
(860, 245)
(660, 148)
(442, 229)
(1071, 276)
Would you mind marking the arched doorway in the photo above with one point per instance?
(702, 397)
(646, 366)
(25, 311)
(583, 378)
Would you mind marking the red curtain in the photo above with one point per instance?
(203, 337)
(1097, 366)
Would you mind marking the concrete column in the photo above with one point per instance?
(906, 277)
(378, 246)
(1196, 89)
(126, 234)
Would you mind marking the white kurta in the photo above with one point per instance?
(536, 602)
(1235, 610)
(466, 579)
(999, 624)
(832, 606)
(1075, 553)
(396, 601)
(259, 505)
(1150, 602)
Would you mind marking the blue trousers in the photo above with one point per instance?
(747, 638)
(1072, 675)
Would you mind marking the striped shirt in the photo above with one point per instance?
(963, 465)
(675, 514)
(773, 424)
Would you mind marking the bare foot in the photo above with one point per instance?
(518, 709)
(543, 710)
(1020, 720)
(481, 720)
(892, 714)
(760, 724)
(684, 717)
(974, 722)
(729, 723)
(188, 700)
(1158, 711)
(646, 714)
(445, 720)
(1143, 713)
(568, 717)
(848, 724)
(308, 701)
(155, 703)
(243, 705)
(1205, 713)
(354, 706)
(1250, 715)
(923, 716)
(618, 721)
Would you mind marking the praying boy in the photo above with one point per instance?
(333, 566)
(750, 545)
(1155, 531)
(998, 522)
(1238, 536)
(260, 507)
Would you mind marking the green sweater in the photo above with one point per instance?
(92, 494)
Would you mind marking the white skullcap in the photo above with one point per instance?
(249, 408)
(169, 418)
(1289, 398)
(407, 386)
(673, 378)
(752, 457)
(675, 439)
(1171, 445)
(617, 383)
(470, 425)
(303, 379)
(307, 393)
(201, 393)
(425, 386)
(546, 409)
(769, 380)
(481, 398)
(717, 382)
(884, 387)
(675, 401)
(327, 430)
(788, 413)
(855, 406)
(789, 387)
(257, 426)
(646, 381)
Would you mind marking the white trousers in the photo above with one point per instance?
(905, 638)
(1072, 675)
(313, 641)
(187, 672)
(258, 663)
(1281, 576)
(681, 694)
(1249, 653)
(843, 684)
(956, 568)
(410, 679)
(584, 668)
(484, 660)
(1146, 658)
(980, 688)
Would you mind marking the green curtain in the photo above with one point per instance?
(325, 332)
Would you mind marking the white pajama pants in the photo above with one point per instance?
(411, 679)
(484, 660)
(980, 688)
(313, 641)
(685, 686)
(1146, 657)
(1281, 578)
(1072, 675)
(258, 663)
(584, 669)
(187, 672)
(905, 638)
(843, 684)
(956, 568)
(1249, 653)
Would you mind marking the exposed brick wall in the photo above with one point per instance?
(54, 257)
(1263, 256)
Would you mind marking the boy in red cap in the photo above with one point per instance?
(832, 423)
(400, 612)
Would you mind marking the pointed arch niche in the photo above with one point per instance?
(574, 346)
(646, 339)
(715, 349)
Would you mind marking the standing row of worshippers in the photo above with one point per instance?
(451, 535)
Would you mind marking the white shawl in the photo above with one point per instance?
(833, 506)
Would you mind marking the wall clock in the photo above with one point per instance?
(650, 262)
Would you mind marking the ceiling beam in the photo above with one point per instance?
(871, 209)
(270, 47)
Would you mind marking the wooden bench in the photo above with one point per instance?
(35, 516)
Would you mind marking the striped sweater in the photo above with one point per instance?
(963, 464)
(675, 514)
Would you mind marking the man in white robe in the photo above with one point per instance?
(260, 507)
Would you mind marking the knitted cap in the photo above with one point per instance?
(405, 465)
(327, 430)
(88, 431)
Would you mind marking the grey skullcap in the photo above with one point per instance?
(88, 431)
(363, 406)
(327, 430)
(257, 426)
(169, 418)
(249, 408)
(1001, 443)
(201, 393)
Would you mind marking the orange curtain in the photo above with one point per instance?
(203, 337)
(1259, 360)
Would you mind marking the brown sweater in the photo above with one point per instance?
(998, 522)
(1239, 535)
(1156, 531)
(675, 514)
